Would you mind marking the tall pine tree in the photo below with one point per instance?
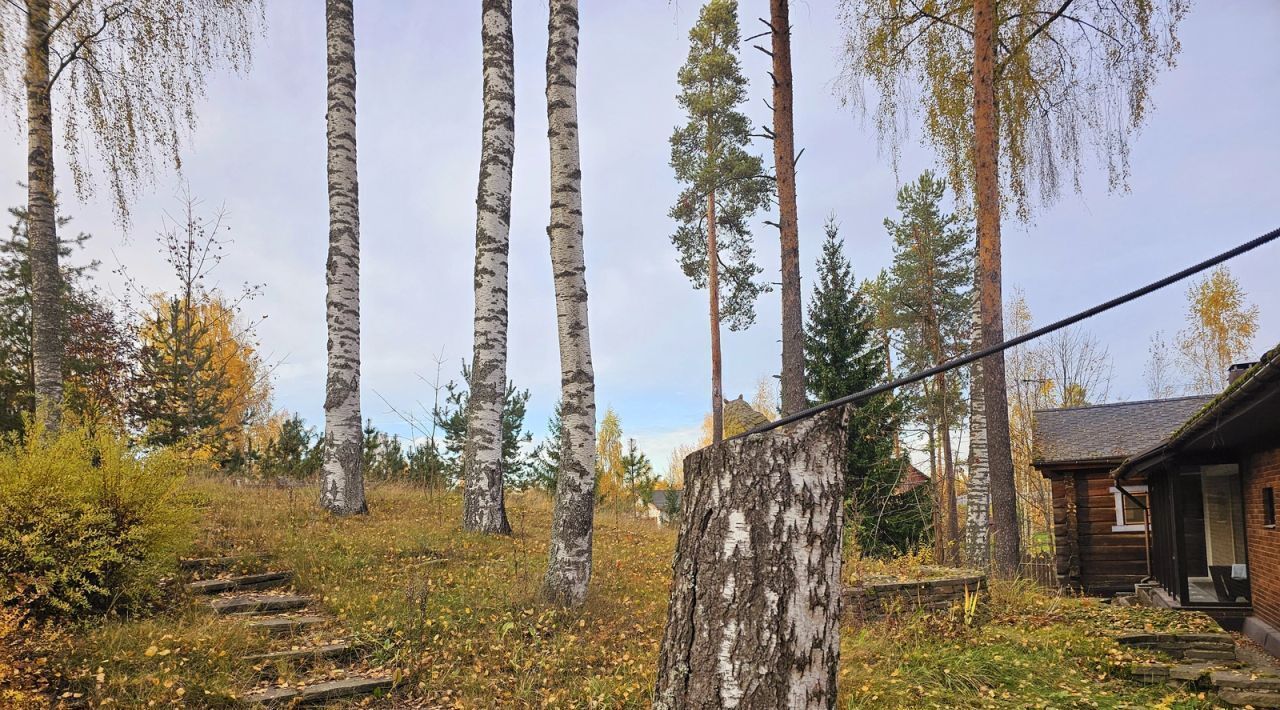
(843, 355)
(724, 184)
(930, 294)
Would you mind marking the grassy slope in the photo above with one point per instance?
(458, 618)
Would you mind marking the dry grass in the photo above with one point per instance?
(457, 619)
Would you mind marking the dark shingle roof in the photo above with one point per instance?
(1107, 431)
(1258, 382)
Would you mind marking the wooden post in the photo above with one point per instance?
(755, 600)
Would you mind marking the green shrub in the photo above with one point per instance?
(87, 524)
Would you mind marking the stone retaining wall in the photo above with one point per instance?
(872, 600)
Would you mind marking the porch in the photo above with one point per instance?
(1195, 539)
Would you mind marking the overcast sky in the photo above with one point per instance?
(1206, 176)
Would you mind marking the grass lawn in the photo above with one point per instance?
(457, 619)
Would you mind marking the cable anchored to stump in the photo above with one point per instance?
(859, 397)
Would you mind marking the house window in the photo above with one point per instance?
(1130, 517)
(1268, 507)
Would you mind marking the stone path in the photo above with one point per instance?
(1208, 662)
(313, 665)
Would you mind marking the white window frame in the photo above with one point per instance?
(1120, 525)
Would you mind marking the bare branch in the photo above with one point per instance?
(1034, 33)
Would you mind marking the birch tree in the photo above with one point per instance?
(1158, 373)
(342, 489)
(1221, 325)
(977, 530)
(122, 77)
(569, 564)
(483, 509)
(724, 184)
(754, 616)
(1011, 100)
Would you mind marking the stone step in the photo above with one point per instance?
(330, 690)
(1196, 673)
(1245, 680)
(193, 564)
(197, 564)
(265, 580)
(333, 650)
(1250, 698)
(258, 604)
(285, 625)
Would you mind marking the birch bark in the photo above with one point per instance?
(754, 615)
(569, 564)
(47, 316)
(342, 489)
(483, 508)
(978, 497)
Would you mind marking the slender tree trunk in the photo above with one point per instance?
(888, 376)
(939, 534)
(569, 567)
(949, 514)
(754, 615)
(986, 134)
(978, 498)
(343, 487)
(794, 396)
(483, 509)
(713, 287)
(47, 312)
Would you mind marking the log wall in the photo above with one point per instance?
(1089, 555)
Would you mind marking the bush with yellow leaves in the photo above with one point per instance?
(87, 524)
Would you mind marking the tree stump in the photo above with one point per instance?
(755, 600)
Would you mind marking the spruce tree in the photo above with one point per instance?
(637, 474)
(181, 399)
(544, 463)
(452, 419)
(724, 184)
(292, 451)
(843, 355)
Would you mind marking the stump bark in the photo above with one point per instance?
(755, 602)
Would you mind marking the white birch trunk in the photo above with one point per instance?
(569, 566)
(754, 615)
(342, 490)
(977, 531)
(483, 509)
(47, 313)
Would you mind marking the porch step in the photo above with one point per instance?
(333, 650)
(259, 604)
(282, 626)
(265, 580)
(331, 690)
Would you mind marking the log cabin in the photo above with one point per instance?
(1100, 532)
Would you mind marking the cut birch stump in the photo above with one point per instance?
(755, 600)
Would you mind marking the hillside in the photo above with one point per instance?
(455, 620)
